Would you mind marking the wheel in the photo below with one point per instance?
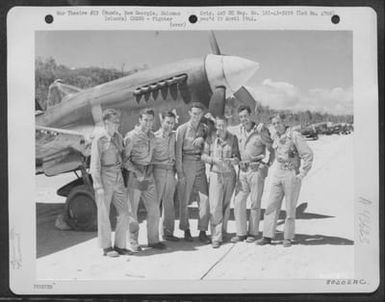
(81, 211)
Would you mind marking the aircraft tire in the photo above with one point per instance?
(80, 209)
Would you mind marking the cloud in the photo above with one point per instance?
(283, 95)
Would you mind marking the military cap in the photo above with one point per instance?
(112, 115)
(198, 105)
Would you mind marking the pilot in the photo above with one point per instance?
(164, 173)
(294, 159)
(221, 153)
(139, 146)
(105, 168)
(191, 171)
(253, 140)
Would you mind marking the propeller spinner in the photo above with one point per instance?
(226, 75)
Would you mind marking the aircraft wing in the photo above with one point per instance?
(59, 151)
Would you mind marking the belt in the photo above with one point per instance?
(227, 173)
(195, 157)
(282, 161)
(164, 167)
(140, 165)
(245, 166)
(285, 164)
(143, 168)
(191, 153)
(111, 165)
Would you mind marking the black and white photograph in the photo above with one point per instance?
(195, 155)
(83, 78)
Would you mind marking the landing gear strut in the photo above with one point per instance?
(81, 212)
(80, 208)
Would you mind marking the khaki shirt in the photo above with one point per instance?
(164, 150)
(291, 148)
(185, 135)
(138, 150)
(254, 142)
(217, 148)
(106, 153)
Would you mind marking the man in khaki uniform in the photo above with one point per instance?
(221, 152)
(105, 168)
(139, 146)
(192, 172)
(164, 173)
(253, 141)
(294, 159)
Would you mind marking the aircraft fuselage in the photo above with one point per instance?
(169, 87)
(166, 88)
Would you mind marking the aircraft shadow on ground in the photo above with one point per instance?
(50, 239)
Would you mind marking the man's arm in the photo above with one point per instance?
(235, 149)
(121, 147)
(95, 164)
(201, 135)
(128, 164)
(173, 142)
(178, 151)
(207, 158)
(268, 142)
(305, 153)
(206, 154)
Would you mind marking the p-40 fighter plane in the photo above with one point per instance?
(64, 130)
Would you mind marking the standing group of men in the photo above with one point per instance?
(156, 164)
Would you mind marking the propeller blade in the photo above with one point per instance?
(218, 101)
(301, 208)
(244, 96)
(214, 44)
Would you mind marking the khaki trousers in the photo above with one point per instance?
(195, 177)
(220, 191)
(115, 192)
(165, 186)
(251, 183)
(151, 204)
(285, 183)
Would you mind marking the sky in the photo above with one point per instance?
(299, 70)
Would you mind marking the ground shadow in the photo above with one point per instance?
(49, 239)
(315, 239)
(178, 246)
(300, 213)
(181, 245)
